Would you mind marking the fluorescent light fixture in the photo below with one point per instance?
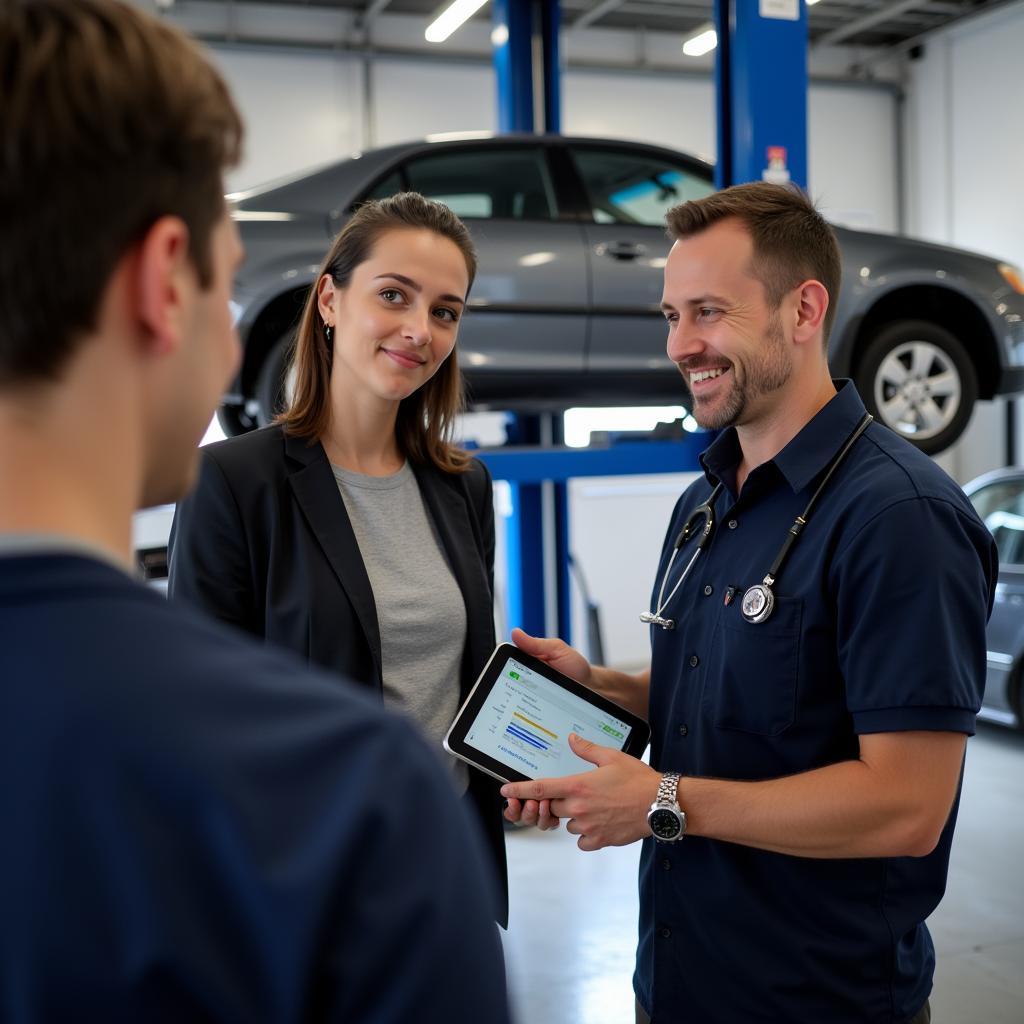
(703, 42)
(261, 215)
(451, 18)
(811, 3)
(480, 133)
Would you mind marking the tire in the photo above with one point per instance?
(233, 420)
(917, 379)
(271, 381)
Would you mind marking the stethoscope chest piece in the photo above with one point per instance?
(758, 603)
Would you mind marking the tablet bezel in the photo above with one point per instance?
(455, 739)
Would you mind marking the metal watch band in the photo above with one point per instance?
(668, 789)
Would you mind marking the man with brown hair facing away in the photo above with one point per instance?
(195, 828)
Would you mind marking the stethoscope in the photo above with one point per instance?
(759, 600)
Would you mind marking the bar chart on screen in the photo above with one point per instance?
(527, 719)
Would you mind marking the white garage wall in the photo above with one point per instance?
(299, 110)
(679, 113)
(852, 155)
(965, 157)
(965, 147)
(415, 98)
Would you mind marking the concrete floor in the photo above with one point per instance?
(570, 945)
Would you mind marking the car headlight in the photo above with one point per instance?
(1013, 276)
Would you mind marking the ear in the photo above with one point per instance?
(165, 280)
(811, 306)
(326, 293)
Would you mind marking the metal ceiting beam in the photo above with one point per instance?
(598, 11)
(886, 12)
(373, 9)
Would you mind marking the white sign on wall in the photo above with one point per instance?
(783, 10)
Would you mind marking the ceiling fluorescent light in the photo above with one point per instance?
(703, 42)
(811, 3)
(452, 18)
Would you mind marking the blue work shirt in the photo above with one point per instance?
(197, 828)
(879, 626)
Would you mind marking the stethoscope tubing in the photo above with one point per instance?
(759, 600)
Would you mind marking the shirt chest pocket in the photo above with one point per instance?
(753, 672)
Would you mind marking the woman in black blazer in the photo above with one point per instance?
(359, 481)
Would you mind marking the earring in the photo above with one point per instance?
(329, 333)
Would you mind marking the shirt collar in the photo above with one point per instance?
(807, 454)
(41, 543)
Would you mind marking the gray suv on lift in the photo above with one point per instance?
(565, 309)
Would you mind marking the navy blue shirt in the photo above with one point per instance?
(196, 828)
(879, 626)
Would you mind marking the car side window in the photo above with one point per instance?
(385, 187)
(511, 183)
(1001, 507)
(627, 187)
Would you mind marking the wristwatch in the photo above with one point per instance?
(667, 821)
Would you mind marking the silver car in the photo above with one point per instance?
(565, 309)
(998, 498)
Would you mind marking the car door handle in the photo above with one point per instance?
(620, 250)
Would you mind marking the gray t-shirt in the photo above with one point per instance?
(420, 609)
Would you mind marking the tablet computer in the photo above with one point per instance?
(516, 721)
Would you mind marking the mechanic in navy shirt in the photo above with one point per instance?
(196, 828)
(820, 749)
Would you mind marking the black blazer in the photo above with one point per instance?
(264, 542)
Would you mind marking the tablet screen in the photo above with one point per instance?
(526, 719)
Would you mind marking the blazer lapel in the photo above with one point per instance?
(448, 510)
(317, 493)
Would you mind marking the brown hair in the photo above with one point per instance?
(427, 417)
(792, 241)
(109, 120)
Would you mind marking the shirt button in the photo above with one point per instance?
(666, 933)
(733, 524)
(709, 590)
(666, 864)
(694, 661)
(684, 729)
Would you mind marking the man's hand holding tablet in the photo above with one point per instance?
(529, 721)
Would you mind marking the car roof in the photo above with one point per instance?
(994, 476)
(315, 188)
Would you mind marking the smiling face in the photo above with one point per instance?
(728, 344)
(396, 321)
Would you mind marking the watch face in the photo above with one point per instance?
(664, 823)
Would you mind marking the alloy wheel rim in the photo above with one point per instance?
(918, 390)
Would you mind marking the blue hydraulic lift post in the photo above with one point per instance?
(512, 39)
(761, 91)
(529, 100)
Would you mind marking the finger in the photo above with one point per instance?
(538, 790)
(593, 752)
(539, 647)
(588, 844)
(560, 809)
(531, 810)
(513, 811)
(547, 820)
(573, 828)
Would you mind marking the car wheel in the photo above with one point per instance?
(234, 420)
(917, 379)
(274, 382)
